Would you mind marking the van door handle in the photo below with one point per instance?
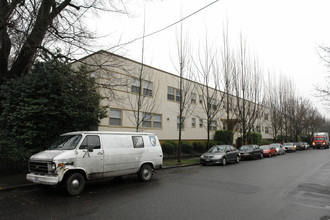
(99, 153)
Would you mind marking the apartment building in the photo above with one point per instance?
(144, 98)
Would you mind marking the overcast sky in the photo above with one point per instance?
(283, 34)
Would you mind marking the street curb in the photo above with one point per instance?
(17, 186)
(7, 188)
(178, 166)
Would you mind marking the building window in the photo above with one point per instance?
(201, 123)
(146, 122)
(193, 122)
(266, 116)
(170, 93)
(193, 98)
(178, 95)
(212, 103)
(157, 121)
(173, 94)
(136, 86)
(213, 126)
(266, 130)
(200, 99)
(147, 88)
(152, 120)
(178, 123)
(115, 117)
(258, 128)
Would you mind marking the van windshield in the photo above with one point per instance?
(67, 142)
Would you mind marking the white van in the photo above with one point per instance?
(79, 156)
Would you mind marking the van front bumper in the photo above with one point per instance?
(41, 179)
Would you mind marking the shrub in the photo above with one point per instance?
(264, 142)
(254, 138)
(187, 148)
(168, 148)
(212, 143)
(199, 146)
(224, 136)
(37, 107)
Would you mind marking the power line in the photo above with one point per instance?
(162, 29)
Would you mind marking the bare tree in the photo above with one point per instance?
(186, 86)
(227, 72)
(248, 85)
(28, 28)
(144, 102)
(209, 74)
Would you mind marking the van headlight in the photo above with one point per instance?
(53, 166)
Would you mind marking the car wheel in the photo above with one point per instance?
(261, 156)
(145, 173)
(75, 184)
(237, 159)
(224, 161)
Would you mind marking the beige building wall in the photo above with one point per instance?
(120, 75)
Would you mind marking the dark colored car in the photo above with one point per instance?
(220, 154)
(251, 152)
(300, 146)
(268, 150)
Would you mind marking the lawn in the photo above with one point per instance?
(174, 162)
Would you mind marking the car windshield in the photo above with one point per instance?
(265, 147)
(66, 142)
(217, 149)
(245, 147)
(287, 144)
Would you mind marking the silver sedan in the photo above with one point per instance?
(220, 154)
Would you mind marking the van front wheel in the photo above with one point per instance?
(145, 173)
(75, 184)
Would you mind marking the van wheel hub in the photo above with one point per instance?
(75, 184)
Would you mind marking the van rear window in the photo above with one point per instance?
(138, 142)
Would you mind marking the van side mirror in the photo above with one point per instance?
(90, 148)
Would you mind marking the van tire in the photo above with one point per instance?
(145, 173)
(75, 184)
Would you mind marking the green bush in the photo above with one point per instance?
(36, 108)
(199, 146)
(224, 136)
(213, 143)
(187, 148)
(265, 142)
(168, 148)
(254, 138)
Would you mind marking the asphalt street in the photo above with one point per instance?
(293, 186)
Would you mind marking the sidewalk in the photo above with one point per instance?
(18, 180)
(15, 180)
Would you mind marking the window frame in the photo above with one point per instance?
(120, 118)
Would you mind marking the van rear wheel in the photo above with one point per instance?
(145, 173)
(75, 184)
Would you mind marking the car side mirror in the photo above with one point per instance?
(90, 148)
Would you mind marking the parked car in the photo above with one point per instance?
(307, 146)
(289, 147)
(251, 152)
(279, 148)
(300, 146)
(220, 154)
(268, 150)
